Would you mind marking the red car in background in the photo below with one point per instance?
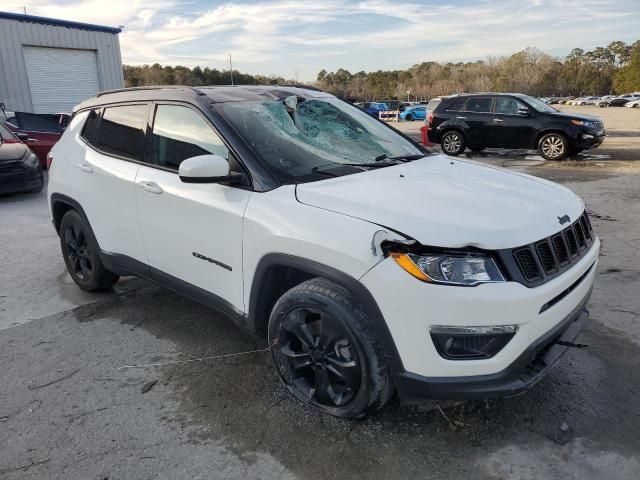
(38, 131)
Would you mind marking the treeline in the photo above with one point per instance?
(615, 68)
(156, 74)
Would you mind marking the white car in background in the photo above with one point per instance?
(633, 104)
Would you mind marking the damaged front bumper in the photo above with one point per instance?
(529, 368)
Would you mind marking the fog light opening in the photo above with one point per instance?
(471, 343)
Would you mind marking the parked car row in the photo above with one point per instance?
(604, 101)
(409, 111)
(498, 120)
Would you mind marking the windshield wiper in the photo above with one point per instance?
(376, 164)
(402, 158)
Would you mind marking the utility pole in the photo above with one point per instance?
(231, 68)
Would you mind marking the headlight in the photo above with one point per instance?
(31, 160)
(450, 269)
(583, 123)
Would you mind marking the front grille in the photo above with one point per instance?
(546, 257)
(560, 248)
(12, 166)
(540, 261)
(527, 263)
(572, 243)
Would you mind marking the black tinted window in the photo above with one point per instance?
(91, 126)
(35, 122)
(121, 131)
(180, 133)
(478, 104)
(508, 106)
(455, 105)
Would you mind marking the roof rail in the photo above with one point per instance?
(152, 87)
(289, 85)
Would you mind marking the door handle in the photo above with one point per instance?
(461, 118)
(85, 167)
(499, 120)
(151, 187)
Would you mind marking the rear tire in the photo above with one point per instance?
(82, 255)
(325, 351)
(409, 118)
(452, 143)
(553, 146)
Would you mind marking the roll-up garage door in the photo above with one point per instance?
(60, 78)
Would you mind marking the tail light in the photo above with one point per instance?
(49, 159)
(430, 118)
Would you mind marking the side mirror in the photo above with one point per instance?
(204, 169)
(524, 112)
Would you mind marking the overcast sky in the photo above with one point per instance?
(297, 39)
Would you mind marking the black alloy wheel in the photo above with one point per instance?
(325, 350)
(318, 357)
(79, 252)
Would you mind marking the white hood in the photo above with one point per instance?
(448, 202)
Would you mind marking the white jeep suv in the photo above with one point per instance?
(371, 264)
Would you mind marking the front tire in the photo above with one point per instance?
(82, 255)
(325, 352)
(409, 118)
(553, 146)
(452, 143)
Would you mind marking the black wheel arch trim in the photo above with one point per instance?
(259, 310)
(59, 198)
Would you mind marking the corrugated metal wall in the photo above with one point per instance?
(14, 86)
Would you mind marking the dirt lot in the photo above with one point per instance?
(71, 408)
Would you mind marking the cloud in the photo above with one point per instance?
(284, 36)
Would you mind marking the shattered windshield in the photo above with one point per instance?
(298, 138)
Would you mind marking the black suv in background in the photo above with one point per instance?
(505, 120)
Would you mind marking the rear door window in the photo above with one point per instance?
(35, 122)
(121, 131)
(180, 133)
(478, 104)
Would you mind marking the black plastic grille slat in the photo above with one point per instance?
(585, 216)
(582, 242)
(561, 249)
(545, 256)
(527, 264)
(572, 244)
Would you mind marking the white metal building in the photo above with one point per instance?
(49, 65)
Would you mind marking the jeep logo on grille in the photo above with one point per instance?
(564, 219)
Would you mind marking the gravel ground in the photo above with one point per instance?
(71, 408)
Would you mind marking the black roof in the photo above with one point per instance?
(58, 23)
(215, 94)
